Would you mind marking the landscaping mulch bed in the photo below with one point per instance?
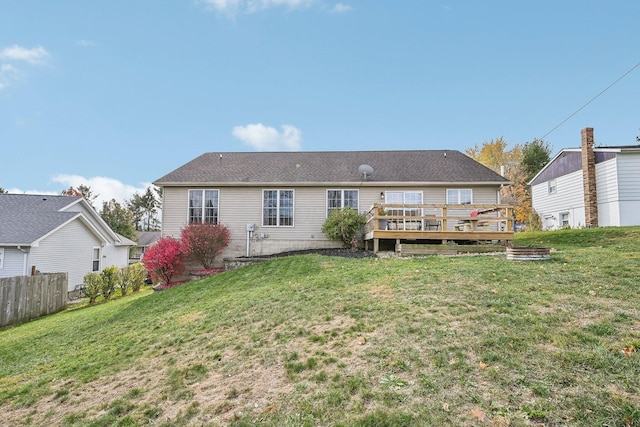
(340, 252)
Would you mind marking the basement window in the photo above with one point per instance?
(564, 219)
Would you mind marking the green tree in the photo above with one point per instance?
(3, 191)
(535, 155)
(119, 219)
(144, 209)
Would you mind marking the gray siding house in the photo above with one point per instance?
(56, 234)
(589, 186)
(278, 201)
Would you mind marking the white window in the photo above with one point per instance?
(404, 198)
(564, 219)
(277, 208)
(552, 186)
(340, 199)
(459, 196)
(95, 264)
(1, 258)
(203, 206)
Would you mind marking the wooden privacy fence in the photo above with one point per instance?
(24, 298)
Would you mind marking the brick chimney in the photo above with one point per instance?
(589, 179)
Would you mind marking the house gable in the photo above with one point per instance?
(56, 234)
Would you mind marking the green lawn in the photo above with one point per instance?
(312, 340)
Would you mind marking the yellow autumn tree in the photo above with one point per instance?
(495, 155)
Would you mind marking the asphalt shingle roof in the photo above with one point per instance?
(25, 218)
(427, 166)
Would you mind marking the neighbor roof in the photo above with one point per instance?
(145, 238)
(569, 160)
(325, 167)
(26, 218)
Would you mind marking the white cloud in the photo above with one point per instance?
(232, 6)
(266, 138)
(85, 43)
(341, 8)
(36, 56)
(8, 73)
(105, 188)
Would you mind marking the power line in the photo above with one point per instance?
(591, 100)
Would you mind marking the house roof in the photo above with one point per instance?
(569, 160)
(332, 167)
(145, 238)
(27, 218)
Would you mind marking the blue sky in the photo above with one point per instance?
(115, 94)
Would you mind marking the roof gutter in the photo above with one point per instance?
(330, 184)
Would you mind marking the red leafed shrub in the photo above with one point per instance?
(164, 259)
(204, 242)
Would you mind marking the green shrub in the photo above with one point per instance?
(111, 280)
(125, 281)
(135, 275)
(92, 286)
(344, 225)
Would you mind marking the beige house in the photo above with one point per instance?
(278, 201)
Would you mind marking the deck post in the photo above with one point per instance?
(375, 245)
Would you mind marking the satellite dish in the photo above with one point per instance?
(365, 171)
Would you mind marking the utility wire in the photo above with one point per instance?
(591, 100)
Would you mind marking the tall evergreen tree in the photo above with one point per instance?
(144, 209)
(535, 155)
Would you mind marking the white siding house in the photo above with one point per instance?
(558, 190)
(56, 234)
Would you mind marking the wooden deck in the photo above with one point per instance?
(393, 224)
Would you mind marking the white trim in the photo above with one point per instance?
(1, 258)
(94, 214)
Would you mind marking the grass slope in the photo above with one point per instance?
(312, 340)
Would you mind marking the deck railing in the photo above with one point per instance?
(396, 220)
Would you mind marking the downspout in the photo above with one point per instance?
(24, 260)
